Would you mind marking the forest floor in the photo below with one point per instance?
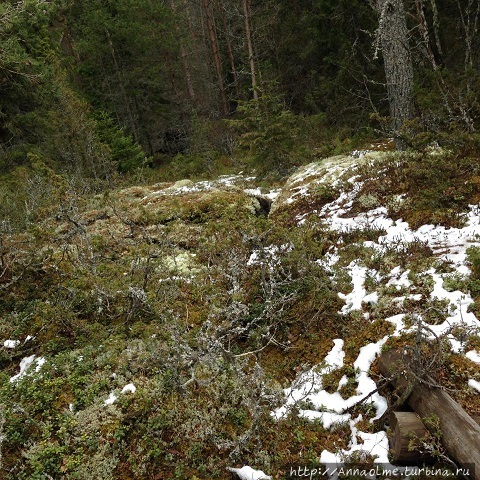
(177, 329)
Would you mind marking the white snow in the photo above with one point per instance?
(474, 356)
(40, 363)
(358, 296)
(130, 388)
(256, 192)
(11, 343)
(309, 387)
(335, 357)
(329, 407)
(399, 279)
(450, 244)
(343, 381)
(474, 384)
(272, 194)
(268, 255)
(248, 473)
(374, 444)
(25, 365)
(329, 260)
(457, 308)
(366, 385)
(253, 191)
(112, 398)
(447, 244)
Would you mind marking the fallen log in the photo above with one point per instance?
(406, 432)
(405, 427)
(460, 433)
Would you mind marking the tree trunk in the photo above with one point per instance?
(392, 38)
(250, 48)
(230, 54)
(131, 120)
(423, 28)
(436, 29)
(470, 27)
(184, 57)
(216, 55)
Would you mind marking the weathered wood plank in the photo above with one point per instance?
(404, 426)
(460, 433)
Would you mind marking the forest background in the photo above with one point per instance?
(163, 319)
(104, 91)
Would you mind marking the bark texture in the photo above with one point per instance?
(392, 40)
(246, 11)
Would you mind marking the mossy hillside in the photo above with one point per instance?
(410, 186)
(114, 294)
(210, 309)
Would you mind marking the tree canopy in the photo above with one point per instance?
(158, 69)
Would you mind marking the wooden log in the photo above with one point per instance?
(406, 427)
(460, 433)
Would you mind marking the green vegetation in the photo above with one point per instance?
(132, 251)
(209, 308)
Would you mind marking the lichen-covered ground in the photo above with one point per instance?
(175, 330)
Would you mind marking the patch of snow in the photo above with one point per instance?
(273, 194)
(447, 244)
(11, 343)
(374, 444)
(328, 261)
(343, 381)
(399, 279)
(130, 388)
(253, 191)
(366, 385)
(335, 357)
(257, 192)
(371, 298)
(309, 386)
(327, 419)
(474, 356)
(450, 244)
(25, 365)
(415, 298)
(474, 384)
(397, 320)
(248, 473)
(268, 255)
(329, 407)
(458, 310)
(358, 296)
(111, 399)
(40, 362)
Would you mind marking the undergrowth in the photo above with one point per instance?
(210, 308)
